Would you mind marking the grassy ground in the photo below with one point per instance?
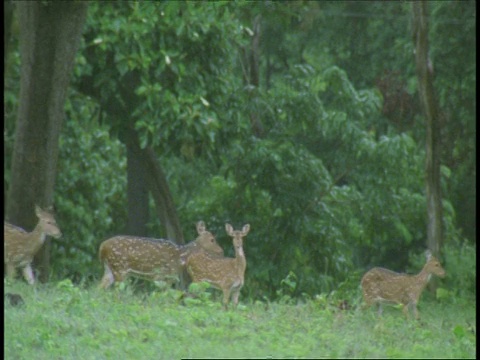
(63, 321)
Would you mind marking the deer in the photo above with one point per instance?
(151, 259)
(21, 246)
(223, 273)
(381, 285)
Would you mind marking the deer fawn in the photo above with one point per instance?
(382, 285)
(21, 246)
(226, 274)
(152, 259)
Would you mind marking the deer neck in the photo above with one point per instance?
(423, 277)
(37, 237)
(240, 257)
(188, 249)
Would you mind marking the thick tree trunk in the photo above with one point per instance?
(144, 165)
(152, 177)
(137, 193)
(49, 37)
(156, 181)
(158, 185)
(430, 106)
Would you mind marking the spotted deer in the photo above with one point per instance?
(226, 274)
(151, 259)
(21, 246)
(380, 285)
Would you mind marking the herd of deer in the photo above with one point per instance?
(203, 258)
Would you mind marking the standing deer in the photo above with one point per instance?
(381, 285)
(21, 246)
(226, 274)
(151, 259)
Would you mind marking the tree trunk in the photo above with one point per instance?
(152, 177)
(7, 28)
(157, 184)
(137, 193)
(146, 166)
(430, 107)
(49, 37)
(251, 76)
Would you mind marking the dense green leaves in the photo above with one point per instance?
(91, 183)
(167, 67)
(333, 184)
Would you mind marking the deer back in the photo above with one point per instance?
(152, 258)
(144, 257)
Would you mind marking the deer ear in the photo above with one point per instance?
(428, 254)
(38, 210)
(228, 228)
(200, 227)
(246, 229)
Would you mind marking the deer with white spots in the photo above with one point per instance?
(151, 259)
(21, 246)
(380, 285)
(226, 274)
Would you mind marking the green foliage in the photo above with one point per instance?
(454, 65)
(177, 64)
(90, 184)
(197, 295)
(460, 265)
(287, 288)
(320, 189)
(330, 188)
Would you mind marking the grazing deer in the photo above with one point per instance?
(151, 259)
(21, 246)
(226, 274)
(382, 285)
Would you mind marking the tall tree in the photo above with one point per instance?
(145, 174)
(433, 127)
(137, 194)
(152, 80)
(251, 74)
(49, 37)
(7, 26)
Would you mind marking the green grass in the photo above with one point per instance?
(63, 321)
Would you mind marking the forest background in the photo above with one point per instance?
(301, 118)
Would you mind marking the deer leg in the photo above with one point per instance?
(28, 274)
(119, 276)
(415, 311)
(380, 309)
(235, 296)
(366, 302)
(11, 271)
(226, 298)
(406, 310)
(107, 279)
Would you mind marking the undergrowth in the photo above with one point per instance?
(66, 321)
